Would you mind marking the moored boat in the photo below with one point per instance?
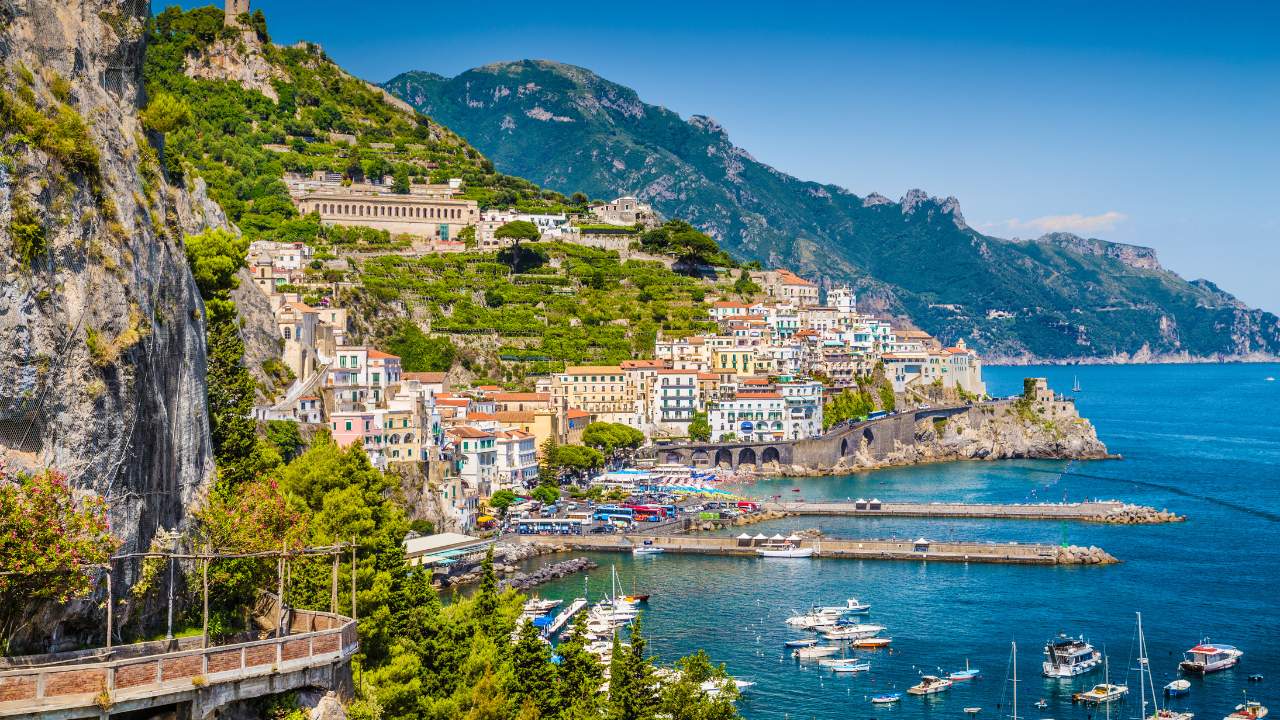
(1067, 657)
(871, 642)
(1210, 657)
(808, 642)
(1102, 692)
(855, 668)
(1248, 711)
(646, 550)
(930, 684)
(815, 651)
(881, 699)
(850, 607)
(968, 673)
(852, 632)
(785, 551)
(1168, 714)
(1176, 688)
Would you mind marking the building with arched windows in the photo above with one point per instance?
(425, 216)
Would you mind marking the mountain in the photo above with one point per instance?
(1056, 298)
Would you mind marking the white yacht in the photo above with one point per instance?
(1067, 657)
(1102, 692)
(930, 684)
(1207, 658)
(816, 651)
(812, 621)
(850, 607)
(785, 551)
(1248, 711)
(852, 632)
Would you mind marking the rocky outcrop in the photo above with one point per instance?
(1138, 515)
(103, 369)
(258, 329)
(1091, 555)
(547, 573)
(1131, 255)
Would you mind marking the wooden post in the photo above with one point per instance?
(353, 577)
(110, 606)
(280, 598)
(333, 600)
(205, 642)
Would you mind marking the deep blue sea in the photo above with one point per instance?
(1200, 440)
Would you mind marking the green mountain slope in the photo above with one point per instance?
(1058, 297)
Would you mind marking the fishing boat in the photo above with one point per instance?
(1176, 688)
(1207, 658)
(1067, 657)
(786, 550)
(852, 632)
(850, 607)
(871, 642)
(1248, 711)
(882, 699)
(815, 651)
(808, 642)
(930, 684)
(967, 673)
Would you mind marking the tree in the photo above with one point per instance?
(700, 429)
(285, 437)
(236, 449)
(607, 437)
(419, 353)
(578, 459)
(744, 285)
(546, 495)
(548, 468)
(401, 183)
(258, 22)
(46, 543)
(579, 198)
(533, 679)
(502, 500)
(580, 675)
(517, 231)
(493, 298)
(632, 695)
(166, 113)
(215, 256)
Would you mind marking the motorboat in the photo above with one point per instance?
(852, 632)
(1248, 711)
(785, 551)
(811, 621)
(537, 606)
(973, 711)
(930, 684)
(871, 642)
(646, 550)
(815, 651)
(1168, 714)
(967, 673)
(834, 662)
(808, 642)
(850, 607)
(1255, 678)
(882, 699)
(855, 668)
(1067, 657)
(714, 687)
(1102, 692)
(1207, 658)
(1176, 688)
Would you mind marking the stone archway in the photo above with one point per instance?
(747, 457)
(701, 457)
(674, 457)
(844, 446)
(769, 455)
(724, 457)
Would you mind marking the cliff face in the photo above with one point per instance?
(102, 332)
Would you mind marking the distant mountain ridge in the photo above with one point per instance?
(1057, 298)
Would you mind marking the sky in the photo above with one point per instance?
(1146, 123)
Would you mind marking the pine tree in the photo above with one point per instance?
(236, 448)
(636, 696)
(580, 674)
(533, 676)
(548, 469)
(486, 608)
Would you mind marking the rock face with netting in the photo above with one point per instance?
(102, 375)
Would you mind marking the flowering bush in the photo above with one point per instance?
(47, 542)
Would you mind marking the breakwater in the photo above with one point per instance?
(547, 573)
(892, 549)
(1112, 511)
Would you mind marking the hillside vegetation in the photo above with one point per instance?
(1056, 297)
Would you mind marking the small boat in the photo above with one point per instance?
(646, 550)
(856, 668)
(1255, 678)
(967, 673)
(714, 687)
(973, 711)
(538, 606)
(785, 551)
(815, 651)
(852, 632)
(850, 607)
(842, 661)
(1207, 658)
(809, 642)
(1102, 692)
(930, 684)
(871, 642)
(811, 621)
(638, 598)
(1075, 387)
(1067, 657)
(1176, 688)
(1042, 704)
(881, 699)
(1168, 714)
(1248, 711)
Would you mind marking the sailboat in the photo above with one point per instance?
(1145, 678)
(1075, 387)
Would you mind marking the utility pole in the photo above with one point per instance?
(169, 634)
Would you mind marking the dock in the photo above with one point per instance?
(1089, 511)
(563, 618)
(880, 549)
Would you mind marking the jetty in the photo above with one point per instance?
(1103, 511)
(563, 618)
(864, 549)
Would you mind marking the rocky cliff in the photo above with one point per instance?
(102, 328)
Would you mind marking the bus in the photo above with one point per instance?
(579, 515)
(877, 414)
(554, 526)
(610, 512)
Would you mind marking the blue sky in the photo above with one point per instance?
(1152, 124)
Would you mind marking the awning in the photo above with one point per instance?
(777, 537)
(744, 536)
(761, 536)
(794, 537)
(484, 518)
(922, 541)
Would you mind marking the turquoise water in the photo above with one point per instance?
(1199, 440)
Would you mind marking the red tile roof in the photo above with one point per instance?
(381, 355)
(575, 413)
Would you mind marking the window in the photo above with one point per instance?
(348, 424)
(375, 377)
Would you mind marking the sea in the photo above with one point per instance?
(1199, 440)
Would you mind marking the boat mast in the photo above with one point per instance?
(1015, 683)
(1142, 663)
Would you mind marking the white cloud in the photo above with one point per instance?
(1077, 224)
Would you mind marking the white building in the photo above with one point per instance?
(749, 417)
